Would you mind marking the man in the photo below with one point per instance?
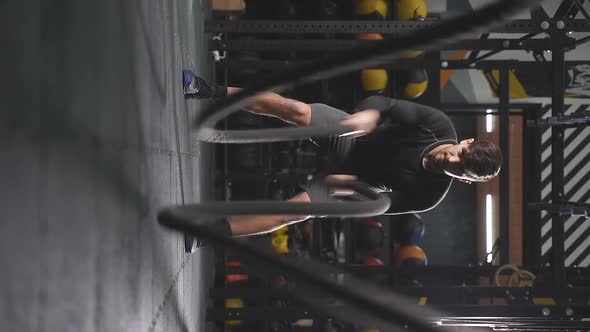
(408, 150)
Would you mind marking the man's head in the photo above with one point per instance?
(470, 160)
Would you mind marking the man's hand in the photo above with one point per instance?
(335, 179)
(340, 177)
(363, 122)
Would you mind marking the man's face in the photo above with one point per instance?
(450, 160)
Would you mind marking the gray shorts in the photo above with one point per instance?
(323, 115)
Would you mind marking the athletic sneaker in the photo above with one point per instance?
(191, 244)
(171, 220)
(196, 87)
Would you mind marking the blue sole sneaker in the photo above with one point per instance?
(191, 244)
(195, 86)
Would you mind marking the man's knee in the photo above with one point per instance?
(300, 112)
(287, 220)
(302, 197)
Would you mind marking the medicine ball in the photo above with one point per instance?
(280, 231)
(369, 236)
(374, 80)
(410, 9)
(280, 243)
(409, 256)
(373, 261)
(371, 9)
(412, 54)
(234, 303)
(279, 239)
(409, 229)
(416, 85)
(235, 279)
(369, 36)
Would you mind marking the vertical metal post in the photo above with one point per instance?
(348, 242)
(557, 162)
(504, 111)
(226, 180)
(532, 188)
(432, 65)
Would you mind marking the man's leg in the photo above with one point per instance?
(269, 103)
(251, 225)
(259, 224)
(238, 226)
(272, 104)
(294, 111)
(315, 191)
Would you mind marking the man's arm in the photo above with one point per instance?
(401, 112)
(379, 110)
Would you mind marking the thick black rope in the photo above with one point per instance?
(376, 205)
(268, 135)
(373, 306)
(370, 56)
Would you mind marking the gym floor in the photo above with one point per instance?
(92, 144)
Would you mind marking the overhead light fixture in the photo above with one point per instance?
(489, 228)
(489, 121)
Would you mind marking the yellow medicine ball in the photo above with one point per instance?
(412, 54)
(374, 79)
(372, 9)
(410, 9)
(280, 243)
(409, 256)
(417, 84)
(281, 231)
(233, 303)
(280, 240)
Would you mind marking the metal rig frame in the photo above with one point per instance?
(562, 315)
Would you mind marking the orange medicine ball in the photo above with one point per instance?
(409, 256)
(369, 36)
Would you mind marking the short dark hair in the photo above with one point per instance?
(483, 160)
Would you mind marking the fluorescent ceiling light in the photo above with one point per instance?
(489, 237)
(489, 121)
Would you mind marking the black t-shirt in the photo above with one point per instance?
(391, 157)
